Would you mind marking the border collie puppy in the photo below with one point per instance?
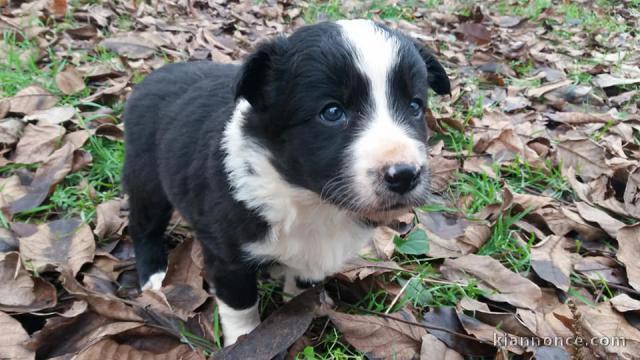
(291, 158)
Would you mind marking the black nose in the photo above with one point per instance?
(402, 178)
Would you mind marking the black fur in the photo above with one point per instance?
(174, 122)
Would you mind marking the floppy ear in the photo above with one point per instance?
(254, 82)
(436, 75)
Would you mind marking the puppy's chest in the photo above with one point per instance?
(314, 241)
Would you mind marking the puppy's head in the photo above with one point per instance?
(340, 108)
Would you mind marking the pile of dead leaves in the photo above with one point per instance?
(530, 261)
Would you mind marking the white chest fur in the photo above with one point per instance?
(311, 237)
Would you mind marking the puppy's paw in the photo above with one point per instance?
(155, 281)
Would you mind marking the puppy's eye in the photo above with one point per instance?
(333, 113)
(415, 107)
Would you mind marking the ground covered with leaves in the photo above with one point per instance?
(531, 246)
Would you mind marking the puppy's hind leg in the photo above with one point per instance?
(149, 214)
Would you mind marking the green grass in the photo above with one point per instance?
(523, 8)
(81, 192)
(523, 177)
(330, 347)
(427, 289)
(504, 246)
(334, 10)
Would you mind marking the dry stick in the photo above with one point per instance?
(412, 323)
(397, 297)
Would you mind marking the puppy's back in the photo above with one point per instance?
(168, 114)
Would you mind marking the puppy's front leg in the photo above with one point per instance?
(236, 292)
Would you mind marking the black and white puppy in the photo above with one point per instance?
(292, 158)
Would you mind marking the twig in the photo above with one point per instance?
(397, 297)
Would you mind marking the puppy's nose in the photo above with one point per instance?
(402, 178)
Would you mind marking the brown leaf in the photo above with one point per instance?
(109, 222)
(552, 262)
(539, 91)
(450, 235)
(55, 115)
(383, 242)
(31, 99)
(63, 244)
(608, 223)
(58, 8)
(475, 32)
(602, 321)
(600, 268)
(37, 143)
(10, 130)
(500, 283)
(133, 47)
(378, 337)
(13, 339)
(359, 268)
(84, 32)
(277, 332)
(606, 80)
(585, 156)
(629, 253)
(67, 336)
(19, 292)
(447, 318)
(48, 175)
(111, 349)
(579, 118)
(70, 81)
(4, 108)
(442, 172)
(487, 333)
(432, 348)
(624, 303)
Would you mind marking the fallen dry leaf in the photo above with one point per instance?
(432, 348)
(380, 337)
(552, 262)
(12, 340)
(450, 235)
(606, 222)
(585, 156)
(500, 283)
(37, 143)
(109, 221)
(19, 292)
(476, 33)
(31, 99)
(629, 253)
(447, 318)
(130, 46)
(10, 130)
(606, 80)
(62, 244)
(48, 175)
(624, 303)
(70, 81)
(55, 115)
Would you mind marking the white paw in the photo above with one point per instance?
(155, 281)
(236, 323)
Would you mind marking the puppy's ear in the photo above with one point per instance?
(255, 81)
(436, 75)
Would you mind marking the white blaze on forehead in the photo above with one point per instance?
(376, 54)
(382, 141)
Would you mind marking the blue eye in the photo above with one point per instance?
(333, 113)
(415, 106)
